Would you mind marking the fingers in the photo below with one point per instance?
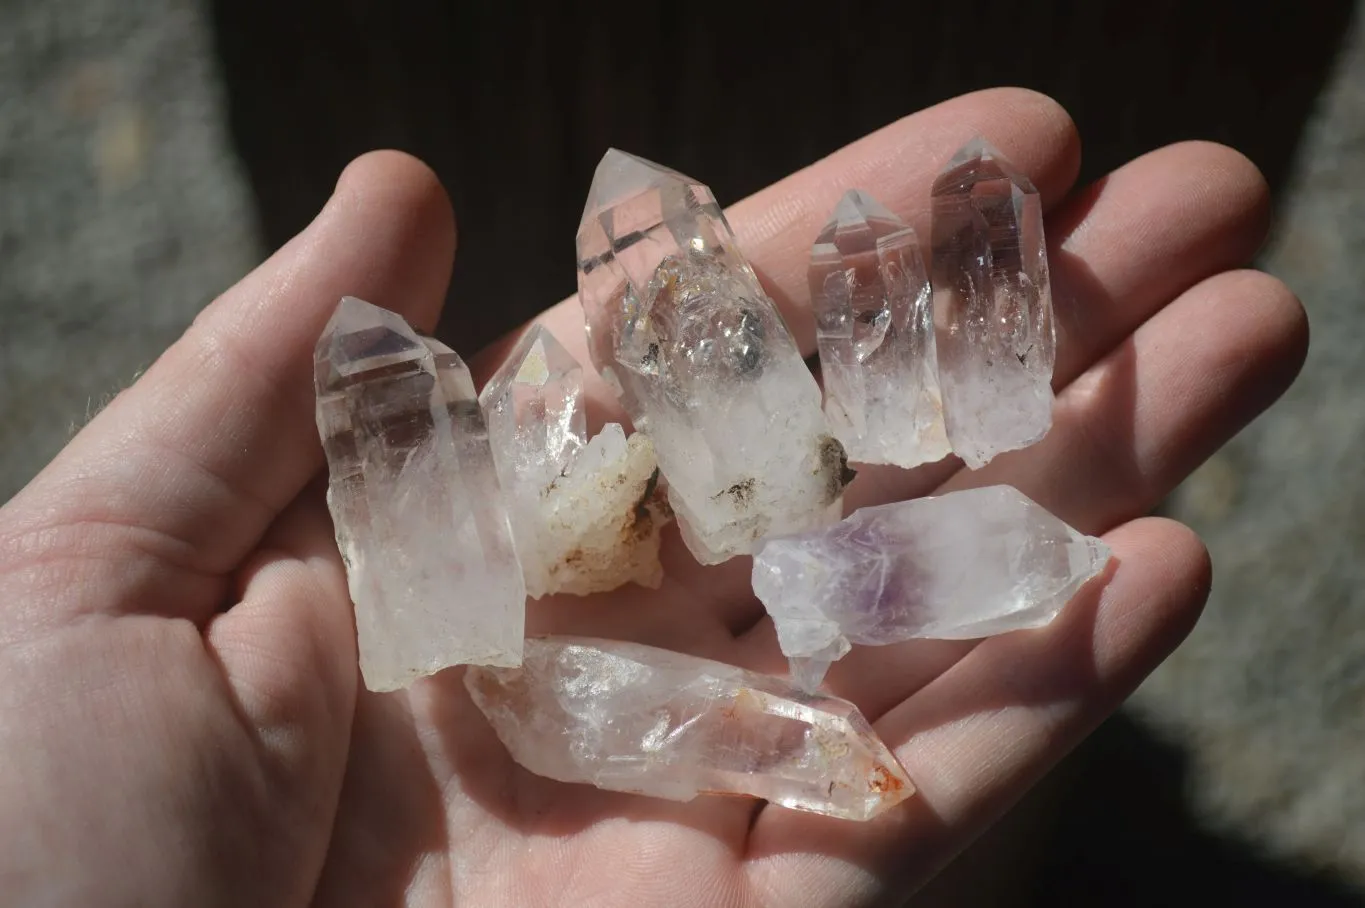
(1134, 425)
(287, 651)
(897, 164)
(187, 468)
(977, 737)
(1120, 251)
(1125, 433)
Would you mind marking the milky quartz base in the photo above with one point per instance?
(586, 514)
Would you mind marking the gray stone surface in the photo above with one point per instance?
(1268, 694)
(122, 211)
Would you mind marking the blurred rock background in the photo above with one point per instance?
(151, 151)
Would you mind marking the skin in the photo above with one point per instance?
(181, 718)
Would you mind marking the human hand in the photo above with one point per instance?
(181, 719)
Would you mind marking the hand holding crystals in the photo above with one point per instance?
(184, 714)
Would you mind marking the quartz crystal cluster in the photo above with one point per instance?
(414, 499)
(585, 514)
(874, 321)
(703, 362)
(450, 509)
(912, 368)
(957, 566)
(627, 717)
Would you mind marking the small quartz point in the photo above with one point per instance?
(992, 306)
(585, 514)
(415, 501)
(956, 567)
(627, 717)
(703, 362)
(874, 320)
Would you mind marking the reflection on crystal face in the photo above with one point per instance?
(701, 358)
(993, 305)
(413, 495)
(957, 566)
(585, 514)
(627, 717)
(874, 325)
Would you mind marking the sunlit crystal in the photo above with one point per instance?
(585, 514)
(993, 306)
(679, 325)
(957, 566)
(415, 501)
(627, 717)
(874, 323)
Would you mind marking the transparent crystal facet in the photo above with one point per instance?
(415, 501)
(702, 360)
(585, 514)
(874, 325)
(993, 306)
(627, 717)
(957, 566)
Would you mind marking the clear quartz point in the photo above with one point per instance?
(874, 322)
(585, 514)
(993, 306)
(957, 566)
(703, 362)
(415, 502)
(627, 717)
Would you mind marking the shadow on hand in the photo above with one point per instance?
(1126, 835)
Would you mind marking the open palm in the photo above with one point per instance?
(181, 719)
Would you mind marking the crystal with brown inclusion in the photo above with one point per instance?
(680, 327)
(586, 514)
(628, 717)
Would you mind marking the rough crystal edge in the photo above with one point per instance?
(626, 547)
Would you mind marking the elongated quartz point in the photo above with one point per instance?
(958, 566)
(414, 498)
(703, 362)
(585, 514)
(627, 717)
(874, 319)
(993, 306)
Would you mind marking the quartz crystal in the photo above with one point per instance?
(703, 362)
(874, 323)
(627, 717)
(585, 514)
(993, 306)
(957, 566)
(415, 501)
